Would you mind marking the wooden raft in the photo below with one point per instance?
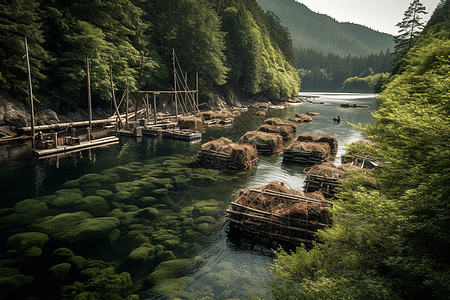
(288, 218)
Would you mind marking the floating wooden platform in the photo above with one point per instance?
(44, 153)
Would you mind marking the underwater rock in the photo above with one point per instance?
(106, 194)
(79, 227)
(125, 219)
(159, 192)
(14, 220)
(94, 205)
(113, 236)
(24, 241)
(141, 254)
(13, 284)
(70, 184)
(148, 213)
(145, 201)
(33, 251)
(30, 207)
(167, 269)
(122, 196)
(64, 253)
(77, 261)
(60, 271)
(167, 256)
(206, 219)
(204, 228)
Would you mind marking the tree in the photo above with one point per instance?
(20, 19)
(409, 30)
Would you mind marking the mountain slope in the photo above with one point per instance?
(324, 34)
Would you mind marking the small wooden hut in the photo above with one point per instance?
(226, 155)
(275, 212)
(266, 143)
(307, 153)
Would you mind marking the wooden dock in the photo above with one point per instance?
(44, 153)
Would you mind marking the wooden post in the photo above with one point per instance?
(30, 94)
(175, 85)
(154, 107)
(196, 92)
(126, 105)
(147, 113)
(114, 100)
(89, 96)
(139, 88)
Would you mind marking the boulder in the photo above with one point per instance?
(24, 241)
(31, 207)
(60, 271)
(94, 205)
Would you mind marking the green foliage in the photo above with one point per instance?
(322, 33)
(229, 43)
(19, 19)
(389, 240)
(329, 72)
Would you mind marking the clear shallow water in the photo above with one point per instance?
(230, 269)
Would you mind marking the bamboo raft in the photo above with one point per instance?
(276, 213)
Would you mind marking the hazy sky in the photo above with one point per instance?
(380, 15)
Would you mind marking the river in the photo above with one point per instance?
(177, 249)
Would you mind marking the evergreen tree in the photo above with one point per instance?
(20, 19)
(409, 30)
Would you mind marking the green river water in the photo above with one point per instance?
(141, 219)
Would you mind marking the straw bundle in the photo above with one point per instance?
(264, 142)
(302, 118)
(190, 122)
(287, 131)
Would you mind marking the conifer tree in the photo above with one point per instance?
(409, 30)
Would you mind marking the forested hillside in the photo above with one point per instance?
(322, 33)
(390, 233)
(233, 44)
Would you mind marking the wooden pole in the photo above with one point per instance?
(30, 94)
(126, 105)
(196, 93)
(154, 107)
(147, 114)
(175, 85)
(114, 100)
(89, 94)
(139, 88)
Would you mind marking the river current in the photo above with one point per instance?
(185, 224)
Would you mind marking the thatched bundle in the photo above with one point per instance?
(323, 148)
(302, 118)
(216, 144)
(236, 113)
(276, 198)
(273, 121)
(306, 137)
(224, 154)
(211, 115)
(264, 142)
(330, 139)
(190, 122)
(312, 114)
(286, 130)
(261, 113)
(328, 170)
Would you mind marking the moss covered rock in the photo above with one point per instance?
(60, 271)
(94, 205)
(31, 207)
(167, 270)
(13, 284)
(23, 241)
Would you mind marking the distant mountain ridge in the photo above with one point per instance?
(324, 34)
